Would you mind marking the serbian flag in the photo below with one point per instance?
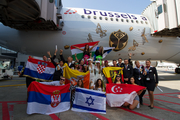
(118, 94)
(74, 75)
(79, 52)
(111, 72)
(47, 99)
(39, 69)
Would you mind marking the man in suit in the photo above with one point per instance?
(69, 59)
(127, 71)
(120, 64)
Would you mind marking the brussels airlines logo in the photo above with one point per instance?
(69, 11)
(111, 14)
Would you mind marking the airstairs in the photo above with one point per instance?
(31, 14)
(164, 16)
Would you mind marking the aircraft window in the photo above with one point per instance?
(160, 10)
(82, 16)
(146, 22)
(106, 18)
(94, 17)
(89, 17)
(122, 20)
(127, 20)
(100, 18)
(137, 21)
(132, 21)
(111, 19)
(141, 22)
(117, 20)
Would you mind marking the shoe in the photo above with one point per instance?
(141, 103)
(151, 107)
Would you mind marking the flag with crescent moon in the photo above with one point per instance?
(111, 72)
(122, 92)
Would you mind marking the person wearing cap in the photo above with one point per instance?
(117, 79)
(106, 63)
(91, 70)
(98, 70)
(55, 83)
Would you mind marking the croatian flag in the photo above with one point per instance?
(39, 69)
(47, 99)
(118, 94)
(89, 101)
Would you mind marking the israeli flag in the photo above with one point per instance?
(89, 101)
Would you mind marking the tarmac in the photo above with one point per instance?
(13, 96)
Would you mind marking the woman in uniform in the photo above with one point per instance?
(150, 81)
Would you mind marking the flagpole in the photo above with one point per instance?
(159, 89)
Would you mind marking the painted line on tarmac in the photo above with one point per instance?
(164, 109)
(18, 102)
(11, 109)
(54, 117)
(164, 93)
(146, 116)
(12, 85)
(165, 101)
(100, 116)
(5, 111)
(170, 96)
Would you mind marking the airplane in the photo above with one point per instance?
(24, 30)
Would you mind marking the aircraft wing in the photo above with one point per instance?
(31, 14)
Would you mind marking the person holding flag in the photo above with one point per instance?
(86, 50)
(55, 83)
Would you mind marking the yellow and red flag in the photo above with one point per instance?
(111, 72)
(74, 75)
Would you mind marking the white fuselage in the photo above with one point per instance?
(76, 30)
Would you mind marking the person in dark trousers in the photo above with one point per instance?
(69, 59)
(127, 71)
(138, 73)
(150, 81)
(58, 70)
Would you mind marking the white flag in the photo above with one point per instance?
(89, 101)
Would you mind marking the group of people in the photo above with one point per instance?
(140, 75)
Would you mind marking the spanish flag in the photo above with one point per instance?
(74, 75)
(111, 72)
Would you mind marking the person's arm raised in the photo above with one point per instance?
(93, 46)
(77, 48)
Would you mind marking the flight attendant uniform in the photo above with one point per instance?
(127, 73)
(150, 81)
(138, 75)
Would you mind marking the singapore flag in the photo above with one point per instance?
(118, 94)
